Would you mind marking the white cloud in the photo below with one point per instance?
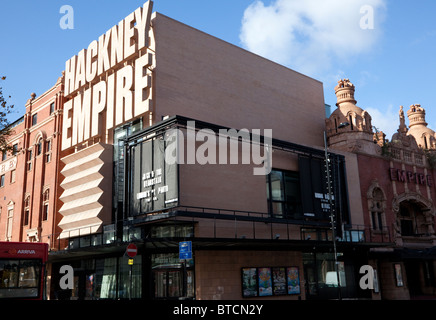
(310, 35)
(387, 121)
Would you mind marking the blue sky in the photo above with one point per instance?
(391, 64)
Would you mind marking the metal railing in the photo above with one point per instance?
(225, 224)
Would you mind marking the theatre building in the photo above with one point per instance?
(174, 137)
(211, 161)
(397, 189)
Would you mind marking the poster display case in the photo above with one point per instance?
(270, 281)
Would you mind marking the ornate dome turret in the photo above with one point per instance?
(424, 136)
(345, 92)
(349, 126)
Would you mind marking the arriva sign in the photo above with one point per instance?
(109, 83)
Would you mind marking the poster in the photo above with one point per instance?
(249, 282)
(293, 279)
(153, 181)
(265, 282)
(279, 280)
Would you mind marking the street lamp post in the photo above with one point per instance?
(332, 220)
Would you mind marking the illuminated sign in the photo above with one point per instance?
(110, 82)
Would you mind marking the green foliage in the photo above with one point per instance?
(5, 110)
(386, 149)
(431, 158)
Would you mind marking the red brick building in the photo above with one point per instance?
(28, 174)
(397, 188)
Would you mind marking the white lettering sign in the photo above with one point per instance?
(8, 165)
(26, 252)
(100, 93)
(150, 179)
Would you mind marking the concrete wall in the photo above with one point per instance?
(205, 78)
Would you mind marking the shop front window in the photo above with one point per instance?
(112, 278)
(106, 271)
(130, 280)
(321, 277)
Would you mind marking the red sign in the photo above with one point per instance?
(409, 176)
(132, 250)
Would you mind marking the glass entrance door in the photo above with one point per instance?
(172, 278)
(168, 283)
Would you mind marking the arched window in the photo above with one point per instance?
(377, 210)
(39, 147)
(412, 219)
(26, 210)
(376, 207)
(46, 195)
(45, 204)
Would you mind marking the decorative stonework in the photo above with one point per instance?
(424, 136)
(349, 127)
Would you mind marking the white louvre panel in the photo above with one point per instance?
(87, 185)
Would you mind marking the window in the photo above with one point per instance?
(2, 180)
(39, 147)
(45, 212)
(26, 210)
(46, 195)
(4, 155)
(12, 176)
(283, 193)
(26, 217)
(34, 119)
(377, 209)
(20, 278)
(45, 199)
(322, 278)
(48, 153)
(29, 160)
(15, 149)
(9, 223)
(407, 228)
(111, 279)
(52, 106)
(376, 206)
(412, 219)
